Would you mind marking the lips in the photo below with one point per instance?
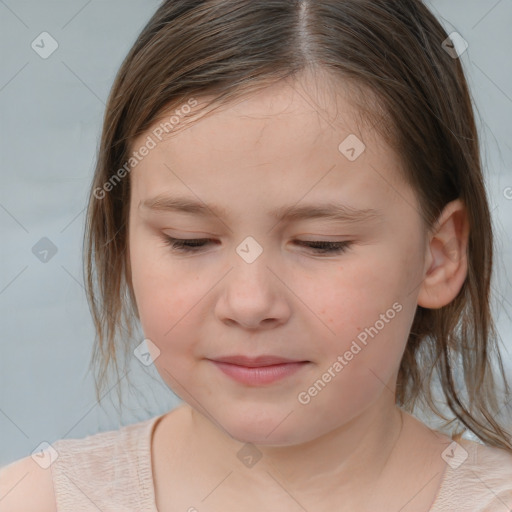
(256, 362)
(258, 371)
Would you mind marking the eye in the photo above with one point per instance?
(196, 244)
(186, 245)
(322, 247)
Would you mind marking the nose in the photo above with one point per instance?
(253, 295)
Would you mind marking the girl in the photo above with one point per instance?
(289, 198)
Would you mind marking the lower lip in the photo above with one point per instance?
(257, 376)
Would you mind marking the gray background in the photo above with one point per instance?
(51, 115)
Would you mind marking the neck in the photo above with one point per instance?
(357, 452)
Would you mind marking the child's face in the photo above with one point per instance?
(276, 149)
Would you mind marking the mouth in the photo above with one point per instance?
(258, 371)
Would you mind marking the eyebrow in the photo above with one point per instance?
(329, 210)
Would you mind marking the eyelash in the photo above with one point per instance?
(196, 244)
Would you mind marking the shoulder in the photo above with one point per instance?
(487, 473)
(493, 464)
(97, 459)
(93, 464)
(26, 487)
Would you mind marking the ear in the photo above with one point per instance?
(445, 258)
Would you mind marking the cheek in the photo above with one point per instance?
(165, 293)
(170, 320)
(366, 311)
(166, 305)
(354, 295)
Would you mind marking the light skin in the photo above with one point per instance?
(275, 148)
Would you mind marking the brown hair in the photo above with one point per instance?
(417, 95)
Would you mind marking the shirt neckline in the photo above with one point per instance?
(145, 461)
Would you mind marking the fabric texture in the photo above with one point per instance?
(108, 472)
(482, 482)
(111, 471)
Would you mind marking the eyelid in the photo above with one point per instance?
(192, 246)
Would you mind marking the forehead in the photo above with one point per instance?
(286, 136)
(312, 105)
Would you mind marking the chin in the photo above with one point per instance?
(265, 429)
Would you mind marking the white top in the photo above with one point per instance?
(111, 471)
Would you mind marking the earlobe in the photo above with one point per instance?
(445, 258)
